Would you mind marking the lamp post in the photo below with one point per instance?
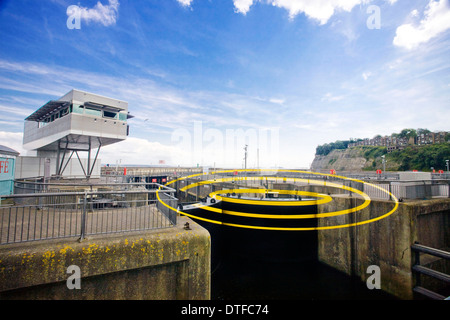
(446, 161)
(245, 157)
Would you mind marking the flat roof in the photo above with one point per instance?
(54, 106)
(47, 109)
(8, 151)
(83, 98)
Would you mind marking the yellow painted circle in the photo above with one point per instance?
(324, 199)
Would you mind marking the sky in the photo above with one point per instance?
(204, 78)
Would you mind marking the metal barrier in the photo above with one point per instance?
(42, 216)
(422, 189)
(167, 201)
(26, 186)
(421, 270)
(401, 189)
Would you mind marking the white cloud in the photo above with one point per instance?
(10, 110)
(436, 21)
(185, 3)
(277, 100)
(319, 10)
(366, 75)
(331, 98)
(242, 6)
(141, 151)
(104, 14)
(13, 140)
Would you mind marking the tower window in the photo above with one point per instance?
(109, 114)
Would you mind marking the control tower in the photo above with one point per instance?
(76, 122)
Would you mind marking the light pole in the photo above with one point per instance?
(245, 158)
(384, 162)
(446, 161)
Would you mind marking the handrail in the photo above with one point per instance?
(419, 270)
(89, 193)
(432, 251)
(69, 217)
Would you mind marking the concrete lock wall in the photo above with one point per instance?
(384, 243)
(165, 264)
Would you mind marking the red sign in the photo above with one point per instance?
(4, 166)
(164, 180)
(379, 171)
(124, 171)
(332, 171)
(441, 171)
(153, 180)
(235, 173)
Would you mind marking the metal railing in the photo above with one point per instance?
(148, 171)
(39, 216)
(401, 189)
(421, 189)
(167, 206)
(34, 185)
(420, 270)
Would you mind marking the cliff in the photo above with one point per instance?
(352, 159)
(339, 160)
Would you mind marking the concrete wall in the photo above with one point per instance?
(30, 167)
(163, 264)
(385, 243)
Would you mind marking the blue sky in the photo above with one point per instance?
(206, 77)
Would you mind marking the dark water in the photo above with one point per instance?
(246, 279)
(254, 264)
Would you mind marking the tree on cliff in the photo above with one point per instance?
(422, 158)
(325, 149)
(408, 133)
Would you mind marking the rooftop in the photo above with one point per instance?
(92, 101)
(8, 151)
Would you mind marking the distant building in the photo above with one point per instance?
(394, 142)
(392, 148)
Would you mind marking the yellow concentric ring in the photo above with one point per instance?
(324, 199)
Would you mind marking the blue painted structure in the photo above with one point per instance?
(7, 169)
